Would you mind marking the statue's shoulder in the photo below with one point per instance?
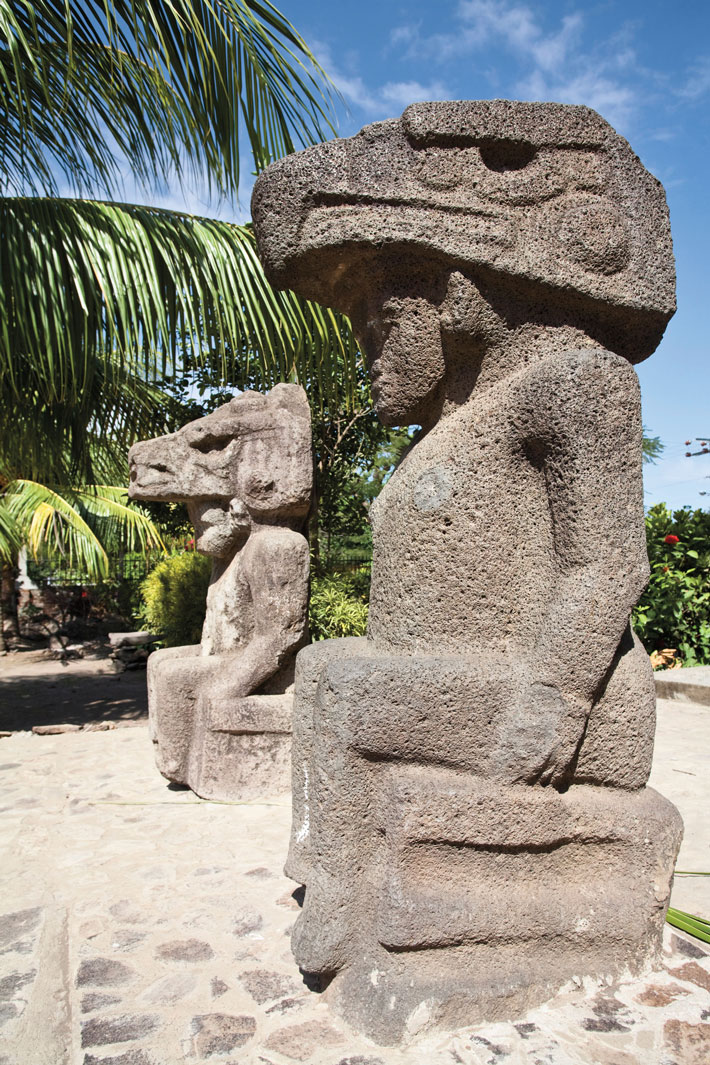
(577, 363)
(579, 376)
(274, 546)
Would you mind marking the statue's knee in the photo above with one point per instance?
(618, 745)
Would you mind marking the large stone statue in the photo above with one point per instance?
(471, 819)
(220, 712)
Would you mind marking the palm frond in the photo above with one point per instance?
(76, 524)
(84, 438)
(688, 922)
(127, 292)
(119, 524)
(163, 83)
(52, 526)
(10, 535)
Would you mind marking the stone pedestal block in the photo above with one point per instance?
(479, 905)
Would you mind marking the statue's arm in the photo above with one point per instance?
(276, 567)
(585, 416)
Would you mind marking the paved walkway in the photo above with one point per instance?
(141, 926)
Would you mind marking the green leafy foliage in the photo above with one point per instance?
(172, 86)
(10, 536)
(674, 610)
(695, 926)
(122, 293)
(337, 608)
(175, 596)
(652, 447)
(77, 525)
(96, 298)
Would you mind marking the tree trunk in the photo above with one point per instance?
(314, 532)
(8, 605)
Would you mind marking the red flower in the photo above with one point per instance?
(672, 539)
(688, 442)
(688, 454)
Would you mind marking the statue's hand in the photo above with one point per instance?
(543, 731)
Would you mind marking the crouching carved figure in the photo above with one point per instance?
(220, 712)
(471, 819)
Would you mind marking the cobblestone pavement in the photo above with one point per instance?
(141, 926)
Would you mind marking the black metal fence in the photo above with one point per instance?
(348, 564)
(132, 568)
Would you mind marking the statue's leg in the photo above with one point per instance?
(310, 663)
(244, 741)
(173, 686)
(617, 748)
(364, 713)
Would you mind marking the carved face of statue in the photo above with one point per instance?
(252, 455)
(397, 326)
(542, 194)
(402, 344)
(408, 341)
(219, 529)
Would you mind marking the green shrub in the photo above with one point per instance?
(337, 608)
(174, 598)
(674, 610)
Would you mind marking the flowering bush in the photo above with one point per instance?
(674, 610)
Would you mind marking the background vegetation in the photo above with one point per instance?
(174, 598)
(674, 610)
(101, 299)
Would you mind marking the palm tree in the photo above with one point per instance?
(100, 298)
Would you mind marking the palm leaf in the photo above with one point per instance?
(96, 294)
(120, 525)
(83, 438)
(75, 524)
(10, 535)
(688, 922)
(166, 84)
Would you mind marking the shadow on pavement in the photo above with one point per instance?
(77, 693)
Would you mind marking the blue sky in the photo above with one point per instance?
(645, 66)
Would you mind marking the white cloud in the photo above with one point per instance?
(518, 27)
(614, 101)
(484, 21)
(378, 101)
(697, 83)
(402, 93)
(551, 64)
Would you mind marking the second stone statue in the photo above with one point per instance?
(220, 711)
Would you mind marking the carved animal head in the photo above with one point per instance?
(541, 195)
(250, 458)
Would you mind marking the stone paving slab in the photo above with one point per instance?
(690, 684)
(141, 926)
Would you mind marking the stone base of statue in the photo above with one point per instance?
(482, 902)
(439, 895)
(231, 749)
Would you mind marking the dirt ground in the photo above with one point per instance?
(36, 689)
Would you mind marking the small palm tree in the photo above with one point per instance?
(99, 298)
